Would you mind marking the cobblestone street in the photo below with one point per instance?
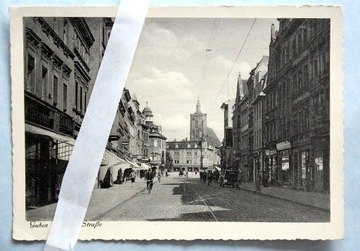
(188, 199)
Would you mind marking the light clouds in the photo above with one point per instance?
(173, 66)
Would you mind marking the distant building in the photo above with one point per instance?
(238, 122)
(201, 151)
(157, 141)
(227, 150)
(198, 124)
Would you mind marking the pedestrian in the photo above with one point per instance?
(258, 185)
(132, 177)
(204, 176)
(210, 177)
(159, 176)
(149, 180)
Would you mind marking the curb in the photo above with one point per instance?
(285, 199)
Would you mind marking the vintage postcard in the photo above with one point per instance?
(229, 126)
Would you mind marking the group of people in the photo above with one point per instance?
(150, 174)
(207, 176)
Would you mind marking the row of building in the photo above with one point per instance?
(278, 125)
(61, 60)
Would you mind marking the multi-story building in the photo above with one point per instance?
(129, 137)
(157, 141)
(59, 75)
(238, 122)
(227, 152)
(192, 155)
(297, 104)
(256, 95)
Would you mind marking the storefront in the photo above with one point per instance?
(48, 144)
(284, 169)
(46, 158)
(302, 172)
(271, 169)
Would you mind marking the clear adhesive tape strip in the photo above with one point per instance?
(85, 160)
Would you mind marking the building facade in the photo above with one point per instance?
(256, 97)
(297, 121)
(157, 141)
(58, 78)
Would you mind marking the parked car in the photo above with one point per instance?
(230, 178)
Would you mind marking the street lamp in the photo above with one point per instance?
(201, 156)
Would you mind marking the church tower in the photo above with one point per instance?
(198, 124)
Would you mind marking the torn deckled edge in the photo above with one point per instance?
(87, 153)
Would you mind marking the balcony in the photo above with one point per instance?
(42, 114)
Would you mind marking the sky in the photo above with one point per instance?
(181, 60)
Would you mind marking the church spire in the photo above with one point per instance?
(198, 106)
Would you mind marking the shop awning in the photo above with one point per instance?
(135, 165)
(40, 131)
(145, 166)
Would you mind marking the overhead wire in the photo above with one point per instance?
(237, 57)
(208, 48)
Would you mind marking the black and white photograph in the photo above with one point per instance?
(223, 119)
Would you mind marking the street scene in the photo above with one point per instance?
(220, 119)
(175, 198)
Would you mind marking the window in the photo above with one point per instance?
(307, 119)
(81, 98)
(315, 68)
(305, 34)
(65, 96)
(188, 161)
(65, 29)
(30, 74)
(293, 48)
(300, 80)
(55, 90)
(299, 43)
(155, 143)
(44, 81)
(85, 101)
(76, 95)
(306, 75)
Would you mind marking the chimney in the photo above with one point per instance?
(273, 35)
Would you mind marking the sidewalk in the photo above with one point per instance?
(101, 201)
(313, 199)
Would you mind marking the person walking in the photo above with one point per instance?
(149, 180)
(258, 185)
(132, 177)
(210, 177)
(159, 176)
